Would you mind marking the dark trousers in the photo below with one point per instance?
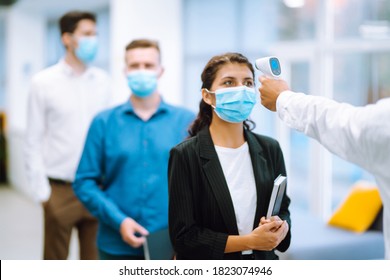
(63, 212)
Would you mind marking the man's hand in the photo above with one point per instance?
(129, 229)
(270, 90)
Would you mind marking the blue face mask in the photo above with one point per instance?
(142, 83)
(87, 48)
(234, 104)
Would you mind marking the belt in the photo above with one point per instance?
(248, 256)
(59, 182)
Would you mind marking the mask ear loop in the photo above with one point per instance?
(211, 92)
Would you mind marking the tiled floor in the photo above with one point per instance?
(21, 228)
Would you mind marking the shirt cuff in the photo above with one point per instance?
(289, 107)
(40, 190)
(281, 102)
(117, 220)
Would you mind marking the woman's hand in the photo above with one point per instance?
(268, 235)
(264, 220)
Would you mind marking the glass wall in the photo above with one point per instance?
(325, 49)
(361, 71)
(299, 145)
(2, 63)
(370, 18)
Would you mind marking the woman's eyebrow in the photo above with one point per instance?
(235, 78)
(228, 77)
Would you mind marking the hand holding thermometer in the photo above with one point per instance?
(270, 66)
(271, 85)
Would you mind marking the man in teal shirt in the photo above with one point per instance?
(122, 174)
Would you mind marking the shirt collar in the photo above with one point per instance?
(67, 69)
(163, 107)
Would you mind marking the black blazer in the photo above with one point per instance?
(201, 212)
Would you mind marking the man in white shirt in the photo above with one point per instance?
(358, 134)
(63, 99)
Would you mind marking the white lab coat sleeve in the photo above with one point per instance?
(341, 128)
(39, 187)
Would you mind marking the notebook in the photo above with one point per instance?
(158, 246)
(277, 196)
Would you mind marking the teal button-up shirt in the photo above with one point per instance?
(123, 170)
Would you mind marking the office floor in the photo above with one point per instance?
(21, 227)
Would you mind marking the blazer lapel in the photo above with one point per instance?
(261, 173)
(214, 173)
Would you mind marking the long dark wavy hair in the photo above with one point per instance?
(208, 76)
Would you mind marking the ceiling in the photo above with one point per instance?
(53, 9)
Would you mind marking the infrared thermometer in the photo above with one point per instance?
(270, 66)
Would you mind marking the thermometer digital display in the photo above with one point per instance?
(269, 65)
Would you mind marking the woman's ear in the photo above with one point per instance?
(208, 97)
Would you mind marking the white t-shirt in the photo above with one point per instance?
(237, 168)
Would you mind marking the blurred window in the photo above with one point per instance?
(2, 64)
(357, 48)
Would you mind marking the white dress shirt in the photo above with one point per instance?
(61, 106)
(357, 134)
(238, 170)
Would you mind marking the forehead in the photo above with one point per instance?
(85, 25)
(236, 70)
(142, 55)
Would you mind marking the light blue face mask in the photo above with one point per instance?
(142, 83)
(234, 104)
(87, 48)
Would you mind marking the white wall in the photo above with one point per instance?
(158, 20)
(24, 37)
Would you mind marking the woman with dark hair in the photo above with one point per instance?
(221, 178)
